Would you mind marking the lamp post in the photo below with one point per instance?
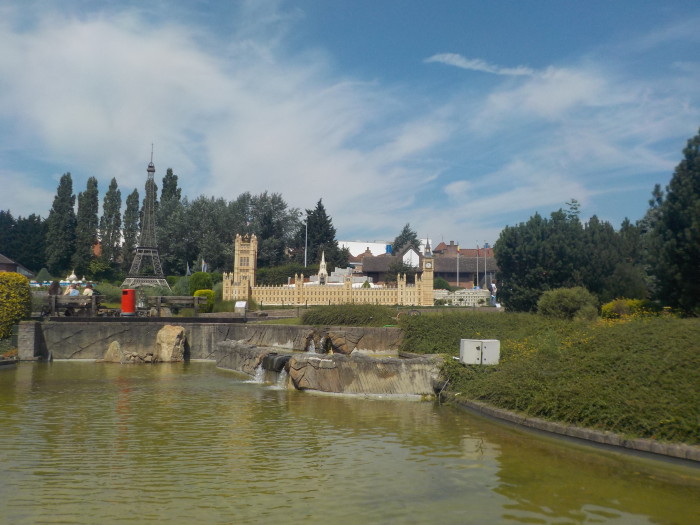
(458, 266)
(484, 263)
(306, 239)
(477, 266)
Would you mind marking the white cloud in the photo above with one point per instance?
(477, 64)
(243, 112)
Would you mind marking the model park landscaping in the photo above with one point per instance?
(600, 327)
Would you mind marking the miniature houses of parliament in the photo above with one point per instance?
(240, 285)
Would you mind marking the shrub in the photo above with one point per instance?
(441, 284)
(172, 280)
(216, 277)
(200, 281)
(620, 308)
(224, 306)
(43, 276)
(568, 303)
(218, 291)
(209, 305)
(111, 293)
(349, 315)
(15, 301)
(182, 286)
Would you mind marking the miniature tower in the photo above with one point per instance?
(427, 277)
(245, 262)
(147, 248)
(323, 270)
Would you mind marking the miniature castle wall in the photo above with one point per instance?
(240, 285)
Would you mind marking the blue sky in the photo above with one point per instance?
(460, 117)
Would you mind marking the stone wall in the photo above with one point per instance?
(91, 339)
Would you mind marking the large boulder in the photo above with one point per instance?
(364, 375)
(240, 356)
(114, 353)
(171, 344)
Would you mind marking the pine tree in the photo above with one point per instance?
(675, 236)
(111, 223)
(408, 238)
(131, 228)
(321, 239)
(60, 235)
(86, 229)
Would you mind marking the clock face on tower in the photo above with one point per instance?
(428, 265)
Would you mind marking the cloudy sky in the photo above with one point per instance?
(458, 116)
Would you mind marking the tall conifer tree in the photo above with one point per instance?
(86, 229)
(131, 228)
(676, 234)
(111, 223)
(60, 235)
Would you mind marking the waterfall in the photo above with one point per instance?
(311, 347)
(259, 376)
(281, 383)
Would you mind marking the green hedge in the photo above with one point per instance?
(349, 315)
(209, 305)
(637, 377)
(15, 301)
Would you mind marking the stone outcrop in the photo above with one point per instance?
(114, 353)
(241, 356)
(364, 375)
(171, 344)
(170, 347)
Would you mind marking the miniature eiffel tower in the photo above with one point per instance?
(147, 248)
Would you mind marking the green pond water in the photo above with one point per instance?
(84, 442)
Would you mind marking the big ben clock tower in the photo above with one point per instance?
(427, 277)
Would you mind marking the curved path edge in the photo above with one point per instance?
(601, 437)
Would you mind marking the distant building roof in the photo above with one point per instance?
(8, 265)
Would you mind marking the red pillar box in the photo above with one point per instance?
(129, 302)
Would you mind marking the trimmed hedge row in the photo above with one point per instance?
(15, 301)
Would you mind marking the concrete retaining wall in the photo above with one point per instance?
(90, 339)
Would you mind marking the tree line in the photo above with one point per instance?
(658, 257)
(190, 233)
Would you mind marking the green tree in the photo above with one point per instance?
(408, 238)
(111, 223)
(321, 239)
(170, 189)
(86, 228)
(131, 228)
(30, 234)
(539, 255)
(676, 234)
(200, 281)
(7, 233)
(61, 223)
(176, 235)
(400, 267)
(274, 223)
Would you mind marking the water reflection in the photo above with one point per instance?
(87, 442)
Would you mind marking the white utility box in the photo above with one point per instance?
(240, 307)
(479, 351)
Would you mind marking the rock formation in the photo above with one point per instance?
(170, 347)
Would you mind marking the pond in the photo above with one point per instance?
(86, 442)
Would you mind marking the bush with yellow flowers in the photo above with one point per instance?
(15, 301)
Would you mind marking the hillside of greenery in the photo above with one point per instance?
(635, 376)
